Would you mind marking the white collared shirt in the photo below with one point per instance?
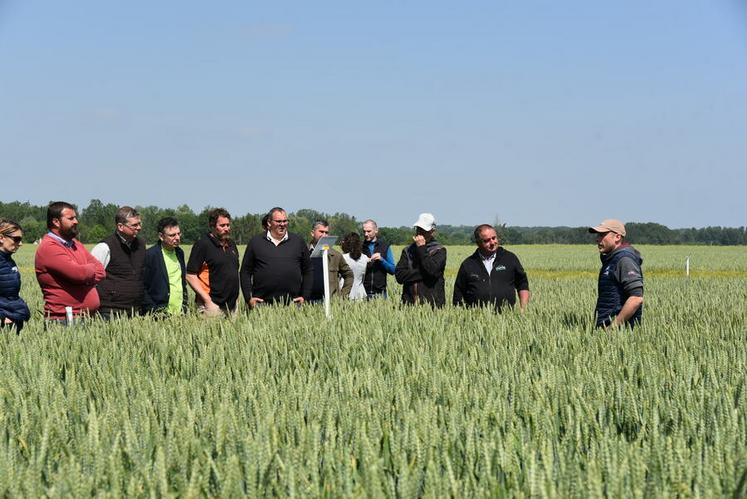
(274, 241)
(488, 261)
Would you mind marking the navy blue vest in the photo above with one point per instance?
(375, 279)
(612, 296)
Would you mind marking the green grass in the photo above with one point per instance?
(398, 402)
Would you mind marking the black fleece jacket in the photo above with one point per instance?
(475, 287)
(420, 270)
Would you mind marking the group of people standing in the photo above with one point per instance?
(120, 277)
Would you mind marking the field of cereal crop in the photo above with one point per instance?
(390, 401)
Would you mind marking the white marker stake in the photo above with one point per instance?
(687, 267)
(325, 269)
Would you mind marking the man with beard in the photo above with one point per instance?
(276, 266)
(213, 267)
(66, 271)
(620, 299)
(491, 275)
(421, 267)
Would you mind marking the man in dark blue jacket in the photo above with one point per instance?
(620, 300)
(491, 275)
(164, 272)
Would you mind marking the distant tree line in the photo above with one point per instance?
(97, 221)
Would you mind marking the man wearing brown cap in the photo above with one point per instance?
(620, 300)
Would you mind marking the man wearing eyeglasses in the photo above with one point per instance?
(491, 275)
(164, 275)
(122, 254)
(276, 266)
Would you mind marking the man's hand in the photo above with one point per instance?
(375, 257)
(298, 300)
(253, 301)
(7, 321)
(212, 310)
(419, 240)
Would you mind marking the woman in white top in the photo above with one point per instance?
(351, 248)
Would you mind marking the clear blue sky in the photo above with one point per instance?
(531, 112)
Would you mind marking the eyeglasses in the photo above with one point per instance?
(280, 222)
(15, 239)
(494, 238)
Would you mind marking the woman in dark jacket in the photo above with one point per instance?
(13, 310)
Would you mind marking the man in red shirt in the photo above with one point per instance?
(66, 271)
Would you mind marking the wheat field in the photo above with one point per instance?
(398, 402)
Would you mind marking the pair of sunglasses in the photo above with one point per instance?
(16, 239)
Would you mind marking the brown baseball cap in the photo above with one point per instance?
(609, 225)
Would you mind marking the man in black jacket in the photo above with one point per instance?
(164, 272)
(276, 267)
(421, 266)
(491, 275)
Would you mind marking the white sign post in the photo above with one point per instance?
(325, 269)
(321, 249)
(687, 267)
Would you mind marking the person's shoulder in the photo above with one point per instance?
(256, 238)
(629, 253)
(508, 253)
(473, 257)
(155, 249)
(48, 242)
(202, 241)
(296, 239)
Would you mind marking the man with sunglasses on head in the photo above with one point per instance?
(276, 266)
(620, 298)
(122, 254)
(491, 275)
